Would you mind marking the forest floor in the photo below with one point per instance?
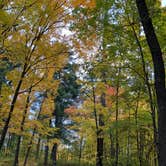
(32, 162)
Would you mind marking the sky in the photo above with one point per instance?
(163, 2)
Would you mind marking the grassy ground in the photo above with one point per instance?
(32, 162)
(72, 163)
(9, 162)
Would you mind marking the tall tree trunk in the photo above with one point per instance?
(46, 154)
(100, 135)
(16, 162)
(58, 124)
(137, 129)
(99, 160)
(38, 148)
(80, 149)
(159, 72)
(116, 119)
(33, 134)
(54, 154)
(8, 143)
(112, 148)
(128, 141)
(5, 128)
(140, 135)
(29, 147)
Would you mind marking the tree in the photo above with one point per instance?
(31, 52)
(159, 73)
(95, 107)
(67, 94)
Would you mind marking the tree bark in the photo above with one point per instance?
(100, 141)
(128, 141)
(100, 135)
(46, 155)
(29, 147)
(137, 129)
(159, 73)
(16, 162)
(112, 148)
(116, 119)
(33, 134)
(54, 154)
(80, 149)
(38, 148)
(6, 126)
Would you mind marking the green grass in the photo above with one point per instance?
(9, 162)
(31, 162)
(72, 163)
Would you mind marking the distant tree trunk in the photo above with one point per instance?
(141, 146)
(99, 161)
(46, 155)
(5, 128)
(54, 154)
(137, 129)
(128, 140)
(42, 148)
(58, 124)
(80, 149)
(16, 162)
(116, 119)
(38, 148)
(33, 133)
(100, 135)
(8, 142)
(29, 147)
(112, 148)
(159, 72)
(0, 90)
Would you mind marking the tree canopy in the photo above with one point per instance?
(82, 82)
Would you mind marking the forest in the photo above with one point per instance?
(82, 83)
